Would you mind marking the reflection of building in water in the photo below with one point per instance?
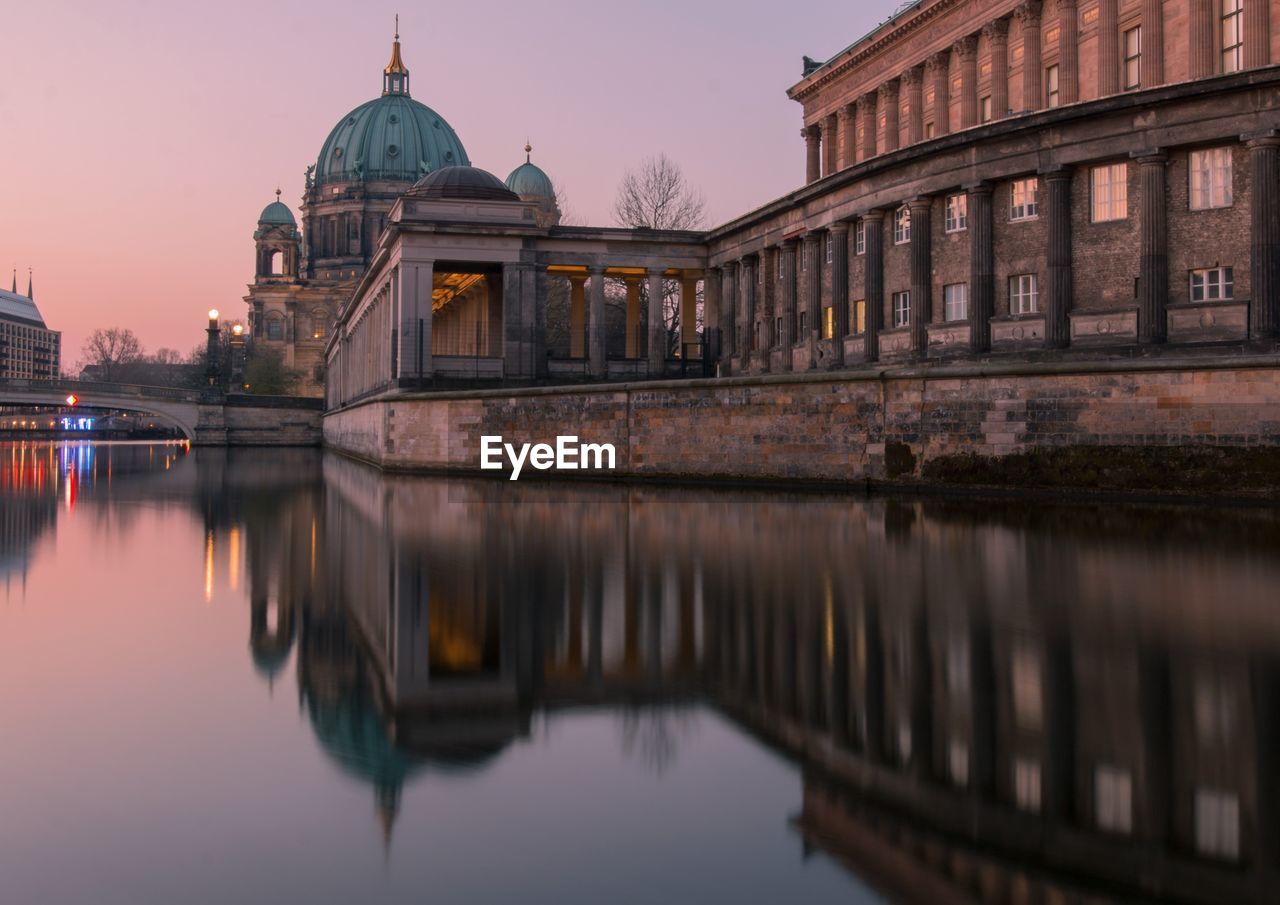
(984, 710)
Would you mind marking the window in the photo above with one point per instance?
(828, 322)
(1052, 93)
(1133, 58)
(901, 309)
(1113, 799)
(777, 331)
(984, 109)
(1218, 824)
(755, 337)
(803, 323)
(957, 213)
(275, 328)
(1212, 285)
(1022, 294)
(902, 226)
(904, 741)
(1026, 784)
(955, 298)
(1110, 187)
(831, 248)
(1232, 36)
(860, 316)
(860, 238)
(1210, 179)
(928, 130)
(1028, 691)
(1024, 199)
(319, 325)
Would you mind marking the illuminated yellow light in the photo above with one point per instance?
(213, 314)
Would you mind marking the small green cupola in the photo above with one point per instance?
(532, 184)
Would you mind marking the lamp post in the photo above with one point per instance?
(237, 357)
(213, 368)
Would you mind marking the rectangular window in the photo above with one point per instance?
(755, 337)
(1215, 284)
(1110, 192)
(1052, 94)
(984, 108)
(803, 323)
(275, 329)
(777, 331)
(1133, 58)
(1210, 179)
(1024, 199)
(1022, 294)
(1232, 35)
(902, 309)
(1113, 799)
(902, 226)
(956, 301)
(860, 238)
(831, 248)
(860, 316)
(1026, 784)
(957, 213)
(1218, 824)
(928, 130)
(828, 322)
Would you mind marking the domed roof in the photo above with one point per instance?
(465, 183)
(277, 214)
(529, 181)
(392, 137)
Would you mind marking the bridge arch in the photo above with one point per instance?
(180, 408)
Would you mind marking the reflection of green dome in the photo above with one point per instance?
(277, 214)
(529, 181)
(391, 137)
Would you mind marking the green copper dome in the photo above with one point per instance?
(277, 214)
(391, 137)
(529, 181)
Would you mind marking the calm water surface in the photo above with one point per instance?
(279, 676)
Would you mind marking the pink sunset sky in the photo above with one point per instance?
(142, 139)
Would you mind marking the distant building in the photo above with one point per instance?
(28, 348)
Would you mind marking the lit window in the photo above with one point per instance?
(1210, 179)
(1232, 36)
(1110, 186)
(984, 107)
(860, 316)
(1113, 799)
(958, 762)
(1218, 824)
(902, 226)
(831, 248)
(1133, 58)
(1026, 784)
(1028, 690)
(319, 325)
(828, 322)
(1052, 94)
(1024, 199)
(860, 238)
(956, 301)
(901, 309)
(1212, 285)
(957, 213)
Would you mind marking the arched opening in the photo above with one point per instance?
(276, 264)
(275, 327)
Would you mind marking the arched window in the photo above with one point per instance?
(277, 263)
(275, 327)
(319, 324)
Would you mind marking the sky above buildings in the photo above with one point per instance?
(142, 139)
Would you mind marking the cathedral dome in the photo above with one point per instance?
(465, 183)
(277, 214)
(530, 182)
(392, 137)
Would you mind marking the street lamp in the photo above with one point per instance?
(237, 356)
(213, 368)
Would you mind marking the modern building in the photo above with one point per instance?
(984, 179)
(28, 348)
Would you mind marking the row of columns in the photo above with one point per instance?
(740, 283)
(833, 143)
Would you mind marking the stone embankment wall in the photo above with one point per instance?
(1211, 423)
(260, 421)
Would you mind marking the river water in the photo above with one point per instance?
(265, 676)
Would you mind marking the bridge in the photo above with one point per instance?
(206, 417)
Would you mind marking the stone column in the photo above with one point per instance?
(788, 337)
(633, 317)
(1028, 13)
(839, 287)
(848, 116)
(1109, 46)
(597, 365)
(577, 316)
(813, 153)
(913, 81)
(1201, 64)
(966, 52)
(1057, 324)
(730, 314)
(688, 311)
(921, 273)
(1264, 214)
(747, 280)
(411, 289)
(1153, 259)
(1069, 51)
(657, 326)
(982, 267)
(887, 95)
(813, 242)
(873, 286)
(711, 313)
(1152, 43)
(1257, 33)
(867, 112)
(939, 68)
(997, 35)
(830, 145)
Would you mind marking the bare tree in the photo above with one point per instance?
(167, 356)
(657, 196)
(110, 348)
